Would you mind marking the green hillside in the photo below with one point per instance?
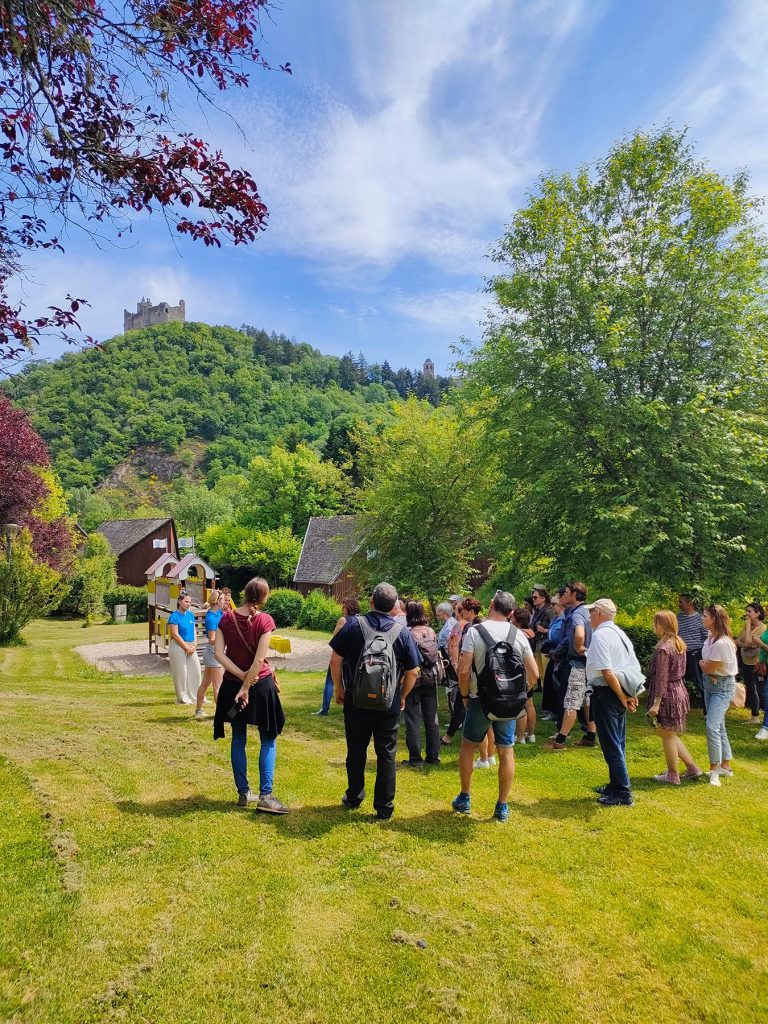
(213, 396)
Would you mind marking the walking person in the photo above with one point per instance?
(748, 644)
(249, 694)
(693, 633)
(213, 672)
(668, 702)
(719, 666)
(349, 607)
(421, 702)
(610, 658)
(361, 724)
(476, 645)
(182, 651)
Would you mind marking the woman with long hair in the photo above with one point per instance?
(526, 724)
(421, 702)
(249, 693)
(182, 651)
(213, 672)
(748, 643)
(349, 608)
(719, 665)
(668, 702)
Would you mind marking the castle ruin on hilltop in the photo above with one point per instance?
(147, 315)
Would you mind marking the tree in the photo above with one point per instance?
(622, 384)
(30, 494)
(287, 488)
(195, 508)
(425, 505)
(90, 134)
(29, 588)
(273, 554)
(92, 576)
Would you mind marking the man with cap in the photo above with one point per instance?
(609, 655)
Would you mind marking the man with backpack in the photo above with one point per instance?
(496, 671)
(383, 663)
(421, 703)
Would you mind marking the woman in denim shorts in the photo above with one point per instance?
(213, 672)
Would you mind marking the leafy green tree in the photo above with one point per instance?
(622, 384)
(91, 509)
(286, 488)
(195, 508)
(273, 554)
(425, 506)
(29, 588)
(92, 576)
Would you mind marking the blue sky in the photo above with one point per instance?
(407, 136)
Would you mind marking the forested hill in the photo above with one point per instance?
(237, 392)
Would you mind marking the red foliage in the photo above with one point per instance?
(22, 451)
(86, 127)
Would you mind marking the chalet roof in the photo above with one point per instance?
(179, 571)
(329, 544)
(166, 557)
(124, 534)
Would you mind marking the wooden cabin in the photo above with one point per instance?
(132, 540)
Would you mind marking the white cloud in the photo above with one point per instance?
(457, 312)
(723, 96)
(430, 157)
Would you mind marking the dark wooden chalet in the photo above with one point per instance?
(324, 564)
(132, 541)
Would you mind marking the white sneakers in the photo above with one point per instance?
(714, 778)
(716, 773)
(489, 763)
(762, 734)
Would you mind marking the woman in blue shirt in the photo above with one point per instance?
(182, 651)
(213, 672)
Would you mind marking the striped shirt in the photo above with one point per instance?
(691, 630)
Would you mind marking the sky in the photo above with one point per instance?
(407, 136)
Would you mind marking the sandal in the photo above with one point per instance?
(693, 776)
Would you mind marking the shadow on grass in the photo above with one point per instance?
(559, 808)
(177, 808)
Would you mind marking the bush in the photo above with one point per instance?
(134, 597)
(319, 612)
(643, 640)
(285, 606)
(92, 576)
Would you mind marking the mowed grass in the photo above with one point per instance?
(133, 890)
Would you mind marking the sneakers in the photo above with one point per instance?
(754, 720)
(244, 799)
(727, 772)
(320, 713)
(529, 738)
(481, 763)
(587, 740)
(693, 776)
(491, 762)
(602, 790)
(665, 777)
(269, 804)
(461, 803)
(609, 800)
(501, 812)
(762, 734)
(346, 802)
(199, 715)
(552, 745)
(408, 763)
(714, 778)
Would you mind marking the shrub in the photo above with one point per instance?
(319, 612)
(285, 606)
(643, 640)
(134, 597)
(28, 589)
(92, 576)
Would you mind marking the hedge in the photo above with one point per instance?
(320, 612)
(285, 606)
(134, 597)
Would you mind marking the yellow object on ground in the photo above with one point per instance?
(281, 644)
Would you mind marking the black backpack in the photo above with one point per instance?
(502, 686)
(376, 674)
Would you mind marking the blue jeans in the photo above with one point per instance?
(327, 693)
(267, 758)
(610, 717)
(718, 694)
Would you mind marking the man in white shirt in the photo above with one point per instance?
(476, 725)
(611, 653)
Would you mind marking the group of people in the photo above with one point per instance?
(583, 661)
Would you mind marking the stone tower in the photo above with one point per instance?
(429, 368)
(147, 315)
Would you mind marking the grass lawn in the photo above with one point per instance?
(133, 890)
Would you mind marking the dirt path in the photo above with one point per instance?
(130, 658)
